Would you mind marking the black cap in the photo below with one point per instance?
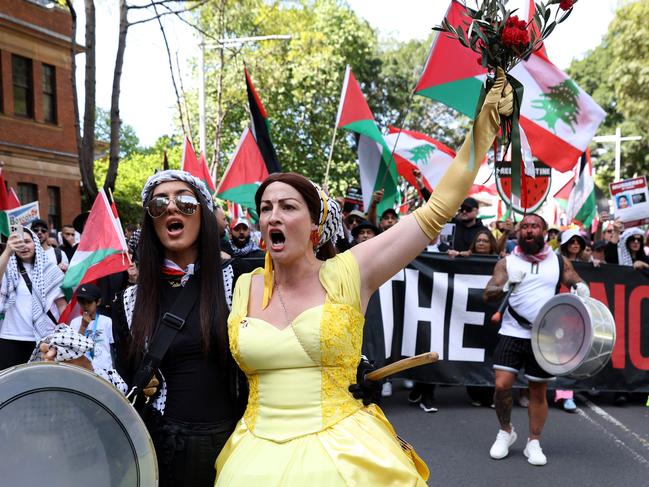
(38, 222)
(88, 292)
(390, 210)
(470, 202)
(365, 224)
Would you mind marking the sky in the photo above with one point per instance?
(148, 101)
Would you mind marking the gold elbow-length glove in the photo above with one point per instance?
(456, 182)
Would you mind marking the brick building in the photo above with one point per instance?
(37, 135)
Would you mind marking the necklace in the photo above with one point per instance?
(281, 301)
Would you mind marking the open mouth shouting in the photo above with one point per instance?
(175, 227)
(277, 240)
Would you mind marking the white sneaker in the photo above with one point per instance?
(386, 389)
(500, 448)
(534, 453)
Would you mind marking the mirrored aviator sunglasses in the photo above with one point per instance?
(159, 205)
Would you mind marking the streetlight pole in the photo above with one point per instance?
(221, 44)
(618, 139)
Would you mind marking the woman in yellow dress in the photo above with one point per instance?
(296, 330)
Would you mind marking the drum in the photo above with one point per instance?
(573, 336)
(62, 425)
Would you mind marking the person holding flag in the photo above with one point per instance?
(296, 331)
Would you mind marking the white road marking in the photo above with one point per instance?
(638, 456)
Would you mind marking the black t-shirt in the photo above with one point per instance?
(199, 389)
(464, 236)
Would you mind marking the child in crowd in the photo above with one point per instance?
(95, 326)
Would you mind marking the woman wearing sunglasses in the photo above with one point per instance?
(197, 398)
(628, 248)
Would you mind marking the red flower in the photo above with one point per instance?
(566, 4)
(515, 34)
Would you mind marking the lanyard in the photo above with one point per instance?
(94, 334)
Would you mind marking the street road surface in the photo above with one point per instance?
(599, 445)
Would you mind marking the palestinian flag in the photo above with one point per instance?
(377, 167)
(244, 174)
(582, 205)
(101, 251)
(562, 196)
(261, 127)
(196, 167)
(558, 117)
(8, 201)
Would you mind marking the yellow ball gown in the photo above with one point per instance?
(302, 427)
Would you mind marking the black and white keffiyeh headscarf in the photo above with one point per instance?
(176, 175)
(330, 221)
(623, 254)
(45, 277)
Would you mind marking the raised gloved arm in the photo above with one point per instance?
(459, 177)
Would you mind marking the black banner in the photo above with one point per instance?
(435, 304)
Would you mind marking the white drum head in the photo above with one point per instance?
(61, 425)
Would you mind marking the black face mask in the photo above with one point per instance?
(534, 247)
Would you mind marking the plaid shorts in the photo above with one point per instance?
(513, 354)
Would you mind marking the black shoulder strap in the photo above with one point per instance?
(561, 266)
(168, 326)
(57, 253)
(28, 283)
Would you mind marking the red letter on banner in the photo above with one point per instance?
(635, 308)
(618, 357)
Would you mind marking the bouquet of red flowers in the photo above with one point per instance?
(500, 37)
(503, 40)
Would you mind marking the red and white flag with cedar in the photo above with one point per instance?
(196, 166)
(244, 174)
(102, 251)
(558, 117)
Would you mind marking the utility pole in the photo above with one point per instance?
(618, 139)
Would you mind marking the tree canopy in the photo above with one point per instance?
(616, 75)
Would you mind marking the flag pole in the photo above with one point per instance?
(110, 193)
(331, 153)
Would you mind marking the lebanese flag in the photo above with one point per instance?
(375, 162)
(261, 127)
(244, 173)
(196, 167)
(102, 251)
(558, 117)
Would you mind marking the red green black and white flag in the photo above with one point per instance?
(195, 166)
(559, 118)
(244, 174)
(261, 127)
(377, 167)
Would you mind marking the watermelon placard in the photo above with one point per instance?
(534, 189)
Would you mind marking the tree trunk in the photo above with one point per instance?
(115, 122)
(87, 148)
(219, 101)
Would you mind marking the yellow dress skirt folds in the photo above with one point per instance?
(302, 427)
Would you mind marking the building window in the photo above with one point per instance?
(49, 93)
(54, 208)
(23, 86)
(27, 193)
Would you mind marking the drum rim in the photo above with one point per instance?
(574, 363)
(113, 402)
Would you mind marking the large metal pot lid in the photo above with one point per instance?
(62, 425)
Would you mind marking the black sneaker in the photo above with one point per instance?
(414, 396)
(427, 404)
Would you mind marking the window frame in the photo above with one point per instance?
(49, 95)
(28, 86)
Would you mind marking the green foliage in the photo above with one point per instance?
(134, 170)
(299, 82)
(128, 140)
(616, 75)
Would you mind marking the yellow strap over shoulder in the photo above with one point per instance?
(456, 182)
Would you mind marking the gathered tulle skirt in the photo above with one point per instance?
(360, 450)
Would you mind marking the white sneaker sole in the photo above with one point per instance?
(535, 463)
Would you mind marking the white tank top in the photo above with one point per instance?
(538, 286)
